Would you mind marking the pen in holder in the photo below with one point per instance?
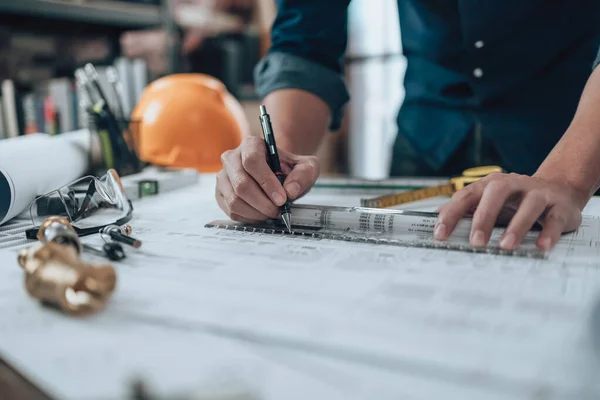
(113, 128)
(119, 154)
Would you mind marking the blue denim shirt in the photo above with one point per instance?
(517, 67)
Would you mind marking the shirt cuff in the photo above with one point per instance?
(287, 71)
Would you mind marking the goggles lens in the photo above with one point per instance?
(88, 203)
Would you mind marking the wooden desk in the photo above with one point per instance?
(14, 386)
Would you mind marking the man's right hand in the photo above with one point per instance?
(248, 191)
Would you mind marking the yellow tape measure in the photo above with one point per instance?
(468, 176)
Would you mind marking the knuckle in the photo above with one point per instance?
(446, 208)
(264, 182)
(450, 210)
(475, 187)
(242, 185)
(251, 160)
(499, 185)
(495, 176)
(313, 161)
(538, 196)
(556, 216)
(465, 194)
(221, 177)
(233, 203)
(226, 155)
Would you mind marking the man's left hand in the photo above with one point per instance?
(524, 200)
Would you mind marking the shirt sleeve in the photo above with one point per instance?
(308, 44)
(597, 62)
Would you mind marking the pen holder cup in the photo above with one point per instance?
(118, 146)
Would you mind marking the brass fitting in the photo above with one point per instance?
(59, 230)
(56, 276)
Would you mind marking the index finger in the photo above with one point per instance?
(254, 161)
(461, 203)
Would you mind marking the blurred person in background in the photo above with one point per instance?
(198, 21)
(554, 196)
(486, 83)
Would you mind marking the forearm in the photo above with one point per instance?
(300, 120)
(302, 77)
(575, 160)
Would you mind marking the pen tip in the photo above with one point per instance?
(263, 110)
(287, 220)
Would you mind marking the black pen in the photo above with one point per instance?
(273, 161)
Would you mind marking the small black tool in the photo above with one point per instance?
(112, 251)
(115, 233)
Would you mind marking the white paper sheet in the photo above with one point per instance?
(351, 320)
(100, 357)
(35, 164)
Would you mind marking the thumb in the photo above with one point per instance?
(303, 176)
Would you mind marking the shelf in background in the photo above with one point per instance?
(106, 12)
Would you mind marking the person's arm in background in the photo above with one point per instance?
(555, 195)
(301, 80)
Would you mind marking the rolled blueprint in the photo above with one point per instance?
(35, 164)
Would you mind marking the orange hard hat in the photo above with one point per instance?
(187, 121)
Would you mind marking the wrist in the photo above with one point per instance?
(580, 191)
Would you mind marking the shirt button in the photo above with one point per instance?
(477, 72)
(479, 44)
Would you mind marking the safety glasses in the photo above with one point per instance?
(89, 203)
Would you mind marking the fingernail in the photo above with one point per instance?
(439, 233)
(277, 198)
(545, 243)
(478, 239)
(293, 189)
(508, 241)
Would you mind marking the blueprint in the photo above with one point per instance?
(21, 182)
(298, 317)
